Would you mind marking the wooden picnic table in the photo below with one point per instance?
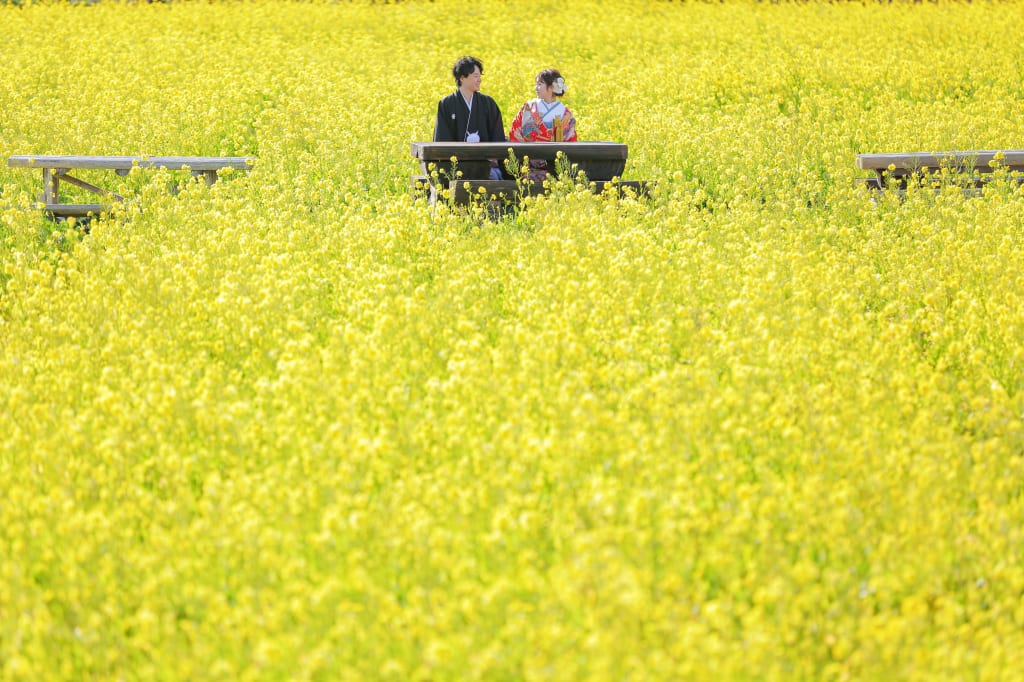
(602, 162)
(57, 169)
(975, 166)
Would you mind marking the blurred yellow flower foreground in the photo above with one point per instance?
(299, 425)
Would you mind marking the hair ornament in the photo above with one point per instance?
(559, 86)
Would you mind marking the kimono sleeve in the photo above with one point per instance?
(444, 126)
(515, 133)
(569, 127)
(495, 123)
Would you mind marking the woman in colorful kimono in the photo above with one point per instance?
(544, 119)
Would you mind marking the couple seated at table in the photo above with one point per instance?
(467, 115)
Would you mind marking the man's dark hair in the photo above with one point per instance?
(465, 66)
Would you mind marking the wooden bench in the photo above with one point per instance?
(970, 169)
(601, 162)
(57, 169)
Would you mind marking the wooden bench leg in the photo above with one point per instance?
(209, 176)
(51, 186)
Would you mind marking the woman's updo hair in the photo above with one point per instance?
(553, 79)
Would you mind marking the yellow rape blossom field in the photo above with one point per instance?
(300, 425)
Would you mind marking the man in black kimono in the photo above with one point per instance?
(466, 115)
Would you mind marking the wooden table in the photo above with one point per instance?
(975, 166)
(57, 169)
(601, 162)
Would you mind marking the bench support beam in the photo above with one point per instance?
(63, 175)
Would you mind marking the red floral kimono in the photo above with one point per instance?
(536, 122)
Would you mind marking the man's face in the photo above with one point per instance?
(472, 81)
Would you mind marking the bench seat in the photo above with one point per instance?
(75, 210)
(509, 190)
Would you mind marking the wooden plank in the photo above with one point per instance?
(870, 183)
(480, 151)
(463, 190)
(911, 161)
(74, 210)
(967, 180)
(598, 160)
(124, 163)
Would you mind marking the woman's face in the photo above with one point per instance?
(544, 91)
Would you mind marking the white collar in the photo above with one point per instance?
(548, 110)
